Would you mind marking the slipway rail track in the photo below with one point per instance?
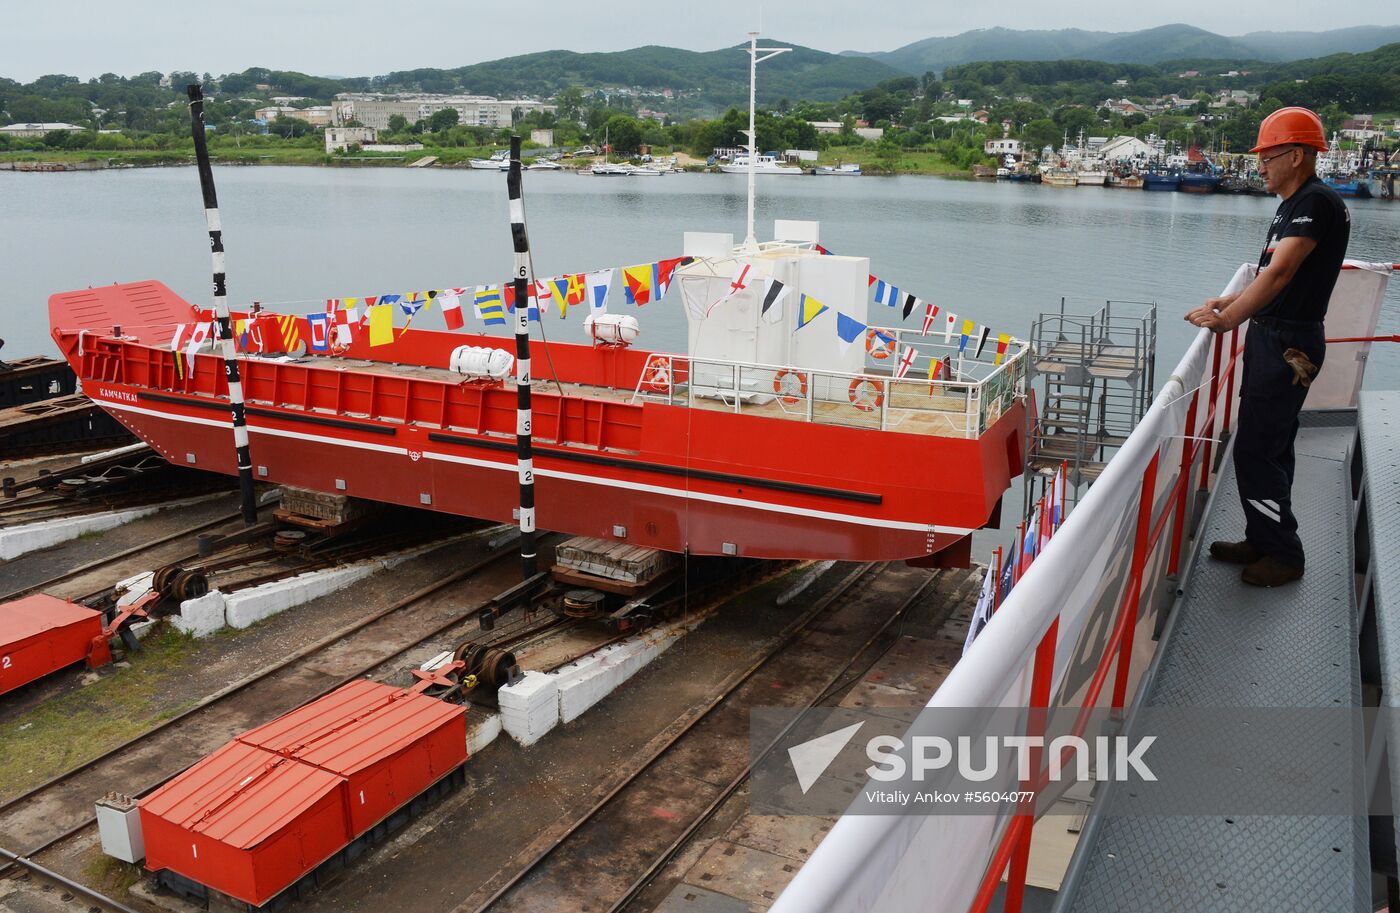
(586, 860)
(62, 807)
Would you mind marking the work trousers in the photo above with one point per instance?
(1268, 425)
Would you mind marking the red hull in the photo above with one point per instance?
(663, 476)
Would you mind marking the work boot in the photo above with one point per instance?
(1271, 571)
(1235, 552)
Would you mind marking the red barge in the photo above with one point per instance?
(784, 446)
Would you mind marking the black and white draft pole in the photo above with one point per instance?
(221, 318)
(524, 282)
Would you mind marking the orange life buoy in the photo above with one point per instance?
(861, 399)
(781, 390)
(877, 344)
(657, 378)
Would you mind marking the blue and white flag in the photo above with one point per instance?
(319, 325)
(887, 294)
(983, 612)
(849, 329)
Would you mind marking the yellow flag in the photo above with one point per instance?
(1002, 341)
(381, 324)
(347, 303)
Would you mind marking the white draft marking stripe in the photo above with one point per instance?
(559, 474)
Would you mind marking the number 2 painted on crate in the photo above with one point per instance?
(5, 662)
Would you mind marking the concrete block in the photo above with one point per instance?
(589, 679)
(482, 729)
(201, 617)
(247, 607)
(529, 707)
(30, 537)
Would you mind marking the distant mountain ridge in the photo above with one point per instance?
(721, 76)
(1155, 45)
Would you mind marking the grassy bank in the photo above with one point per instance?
(871, 160)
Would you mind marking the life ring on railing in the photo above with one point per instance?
(782, 391)
(861, 397)
(877, 344)
(657, 377)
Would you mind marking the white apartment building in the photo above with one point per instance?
(373, 109)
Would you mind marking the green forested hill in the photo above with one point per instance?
(721, 76)
(1155, 45)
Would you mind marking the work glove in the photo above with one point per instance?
(1303, 369)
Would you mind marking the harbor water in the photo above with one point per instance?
(996, 253)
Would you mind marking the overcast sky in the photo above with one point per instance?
(359, 38)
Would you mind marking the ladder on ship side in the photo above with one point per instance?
(1096, 374)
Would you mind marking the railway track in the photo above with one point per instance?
(602, 858)
(62, 808)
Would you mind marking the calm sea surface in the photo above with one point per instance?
(998, 253)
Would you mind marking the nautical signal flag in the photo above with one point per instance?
(967, 330)
(930, 312)
(648, 282)
(910, 302)
(886, 294)
(489, 305)
(288, 332)
(848, 329)
(598, 285)
(451, 311)
(319, 327)
(906, 361)
(808, 309)
(1003, 341)
(773, 294)
(381, 324)
(567, 291)
(949, 324)
(982, 341)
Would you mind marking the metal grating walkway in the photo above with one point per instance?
(1235, 646)
(1378, 539)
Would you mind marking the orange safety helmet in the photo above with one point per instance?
(1290, 127)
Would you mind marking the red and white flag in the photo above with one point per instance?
(930, 312)
(906, 361)
(451, 309)
(949, 327)
(739, 283)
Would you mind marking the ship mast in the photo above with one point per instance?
(754, 60)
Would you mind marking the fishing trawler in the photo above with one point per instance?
(780, 433)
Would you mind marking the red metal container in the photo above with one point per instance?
(270, 806)
(40, 634)
(389, 746)
(245, 822)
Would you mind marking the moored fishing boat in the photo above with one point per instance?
(1161, 180)
(848, 170)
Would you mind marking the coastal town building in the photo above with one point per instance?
(826, 126)
(21, 130)
(1361, 128)
(1123, 106)
(373, 109)
(339, 139)
(316, 116)
(542, 137)
(1126, 148)
(1004, 146)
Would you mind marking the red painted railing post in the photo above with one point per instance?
(1134, 596)
(996, 582)
(1188, 454)
(1230, 381)
(1209, 435)
(1042, 673)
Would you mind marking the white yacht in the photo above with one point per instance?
(762, 164)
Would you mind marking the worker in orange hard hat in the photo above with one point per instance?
(1283, 351)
